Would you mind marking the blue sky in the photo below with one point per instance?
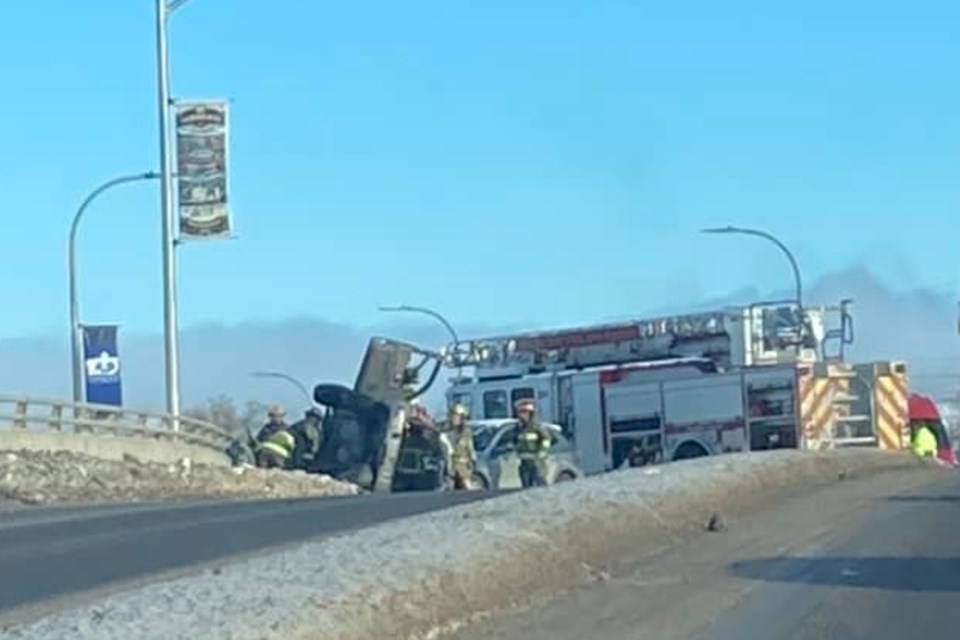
(506, 162)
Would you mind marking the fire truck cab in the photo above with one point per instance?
(742, 378)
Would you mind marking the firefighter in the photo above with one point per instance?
(924, 442)
(419, 467)
(464, 456)
(277, 450)
(308, 433)
(275, 423)
(643, 452)
(533, 442)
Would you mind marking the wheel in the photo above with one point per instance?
(689, 450)
(566, 476)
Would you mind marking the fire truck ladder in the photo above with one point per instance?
(699, 335)
(852, 413)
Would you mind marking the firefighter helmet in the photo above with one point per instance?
(525, 404)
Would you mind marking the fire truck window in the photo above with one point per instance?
(482, 439)
(495, 405)
(630, 425)
(521, 394)
(638, 450)
(636, 440)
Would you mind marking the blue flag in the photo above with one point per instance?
(102, 365)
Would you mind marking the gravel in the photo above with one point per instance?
(414, 577)
(48, 478)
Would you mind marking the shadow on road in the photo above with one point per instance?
(891, 574)
(946, 498)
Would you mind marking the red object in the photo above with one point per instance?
(947, 455)
(568, 339)
(924, 409)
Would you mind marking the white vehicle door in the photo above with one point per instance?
(504, 462)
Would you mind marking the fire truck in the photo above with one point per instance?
(755, 377)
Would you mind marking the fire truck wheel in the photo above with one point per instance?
(565, 476)
(689, 450)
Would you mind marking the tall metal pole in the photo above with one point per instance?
(783, 248)
(75, 343)
(171, 351)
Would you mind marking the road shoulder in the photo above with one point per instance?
(681, 591)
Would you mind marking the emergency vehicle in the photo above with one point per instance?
(755, 377)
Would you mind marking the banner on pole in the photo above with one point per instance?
(202, 169)
(102, 365)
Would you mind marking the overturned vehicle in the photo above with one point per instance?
(371, 435)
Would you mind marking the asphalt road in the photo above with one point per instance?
(875, 559)
(895, 576)
(50, 557)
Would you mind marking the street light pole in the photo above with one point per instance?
(283, 376)
(75, 346)
(783, 248)
(171, 350)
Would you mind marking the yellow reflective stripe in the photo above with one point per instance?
(275, 448)
(283, 438)
(533, 444)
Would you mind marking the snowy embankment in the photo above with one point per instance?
(63, 477)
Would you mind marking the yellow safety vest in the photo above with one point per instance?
(281, 443)
(463, 452)
(532, 444)
(924, 442)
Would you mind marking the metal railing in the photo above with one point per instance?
(26, 413)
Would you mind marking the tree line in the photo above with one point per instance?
(223, 411)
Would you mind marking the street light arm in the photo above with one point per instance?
(149, 175)
(430, 312)
(783, 248)
(439, 317)
(173, 5)
(283, 376)
(72, 274)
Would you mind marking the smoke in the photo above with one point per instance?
(916, 325)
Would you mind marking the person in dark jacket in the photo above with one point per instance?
(308, 434)
(275, 423)
(420, 459)
(533, 442)
(276, 451)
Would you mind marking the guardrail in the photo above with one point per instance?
(25, 414)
